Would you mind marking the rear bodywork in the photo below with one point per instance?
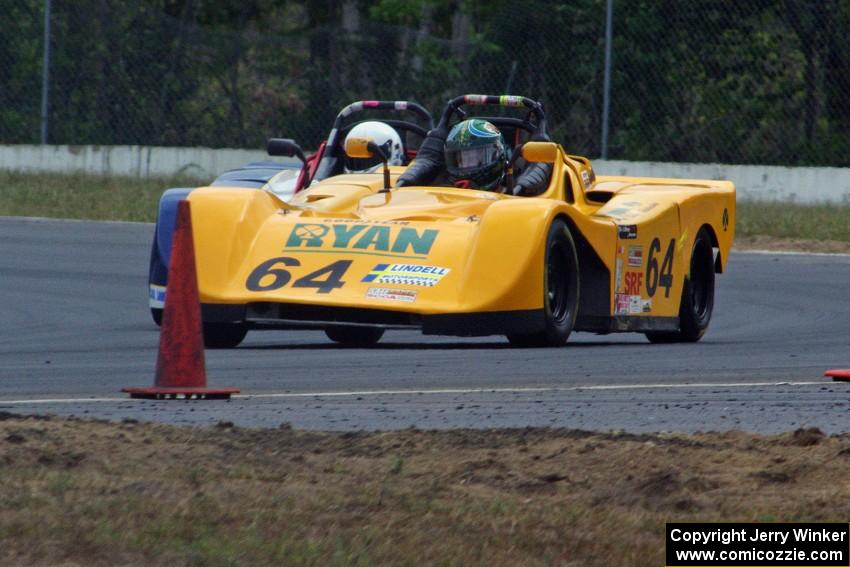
(453, 261)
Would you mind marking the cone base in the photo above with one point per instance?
(839, 374)
(177, 393)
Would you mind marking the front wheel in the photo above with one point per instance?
(355, 336)
(697, 301)
(560, 290)
(224, 335)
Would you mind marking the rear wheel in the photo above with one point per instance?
(224, 335)
(697, 296)
(560, 290)
(355, 336)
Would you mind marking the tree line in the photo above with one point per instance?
(753, 81)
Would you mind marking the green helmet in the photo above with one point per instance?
(475, 154)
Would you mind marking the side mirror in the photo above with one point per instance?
(284, 147)
(287, 147)
(366, 148)
(540, 152)
(359, 148)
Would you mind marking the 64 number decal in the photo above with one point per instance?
(270, 275)
(656, 277)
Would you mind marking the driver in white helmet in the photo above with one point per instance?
(385, 137)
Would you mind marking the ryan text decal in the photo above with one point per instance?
(378, 239)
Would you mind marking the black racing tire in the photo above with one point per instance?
(224, 335)
(560, 290)
(697, 301)
(156, 315)
(355, 336)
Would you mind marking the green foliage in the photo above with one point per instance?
(400, 12)
(697, 80)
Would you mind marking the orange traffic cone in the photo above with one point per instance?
(839, 374)
(180, 370)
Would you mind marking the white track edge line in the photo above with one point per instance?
(608, 387)
(792, 253)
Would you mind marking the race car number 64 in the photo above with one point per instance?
(664, 278)
(268, 276)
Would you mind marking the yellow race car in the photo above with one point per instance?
(561, 250)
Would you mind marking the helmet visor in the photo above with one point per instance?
(463, 159)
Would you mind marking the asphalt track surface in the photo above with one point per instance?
(75, 328)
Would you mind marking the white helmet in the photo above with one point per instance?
(384, 136)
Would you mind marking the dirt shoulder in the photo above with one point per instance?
(81, 492)
(744, 243)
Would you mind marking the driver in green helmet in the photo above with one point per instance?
(476, 156)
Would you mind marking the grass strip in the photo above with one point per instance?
(80, 196)
(789, 220)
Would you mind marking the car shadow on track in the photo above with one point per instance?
(380, 346)
(390, 346)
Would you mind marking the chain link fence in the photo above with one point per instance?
(752, 81)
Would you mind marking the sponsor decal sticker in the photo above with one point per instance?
(618, 277)
(156, 296)
(509, 100)
(406, 274)
(628, 210)
(622, 210)
(627, 231)
(633, 281)
(382, 239)
(626, 304)
(683, 239)
(405, 295)
(585, 177)
(635, 256)
(621, 304)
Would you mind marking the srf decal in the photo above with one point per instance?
(633, 282)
